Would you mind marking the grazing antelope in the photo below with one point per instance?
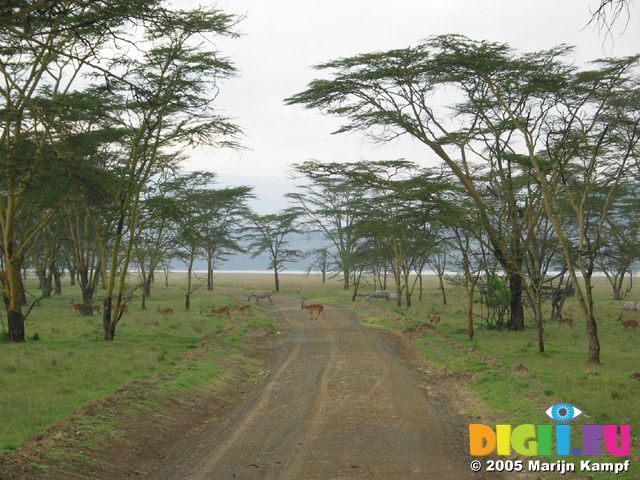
(435, 319)
(222, 310)
(260, 294)
(76, 306)
(244, 308)
(567, 320)
(313, 307)
(122, 307)
(96, 308)
(627, 324)
(165, 312)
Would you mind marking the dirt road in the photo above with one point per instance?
(337, 404)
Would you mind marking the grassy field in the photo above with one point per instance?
(69, 364)
(45, 380)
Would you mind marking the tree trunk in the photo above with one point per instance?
(209, 272)
(187, 297)
(441, 287)
(107, 330)
(87, 297)
(277, 279)
(41, 275)
(384, 278)
(13, 289)
(592, 325)
(398, 282)
(420, 287)
(356, 285)
(16, 326)
(87, 288)
(46, 285)
(537, 306)
(23, 294)
(57, 282)
(72, 277)
(407, 291)
(516, 319)
(471, 287)
(347, 274)
(146, 289)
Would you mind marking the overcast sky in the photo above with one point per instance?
(281, 39)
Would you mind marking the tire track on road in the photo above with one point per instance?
(254, 414)
(297, 457)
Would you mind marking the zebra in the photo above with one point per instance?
(382, 294)
(260, 294)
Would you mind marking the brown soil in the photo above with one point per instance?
(337, 400)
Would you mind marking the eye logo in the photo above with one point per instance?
(563, 412)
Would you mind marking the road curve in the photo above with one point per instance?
(337, 404)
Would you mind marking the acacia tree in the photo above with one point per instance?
(156, 233)
(402, 206)
(466, 239)
(222, 230)
(389, 94)
(622, 236)
(560, 124)
(327, 203)
(170, 102)
(45, 46)
(322, 261)
(203, 217)
(438, 262)
(269, 234)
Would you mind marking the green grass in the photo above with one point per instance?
(47, 380)
(606, 393)
(69, 365)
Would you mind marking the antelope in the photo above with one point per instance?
(222, 310)
(567, 320)
(313, 307)
(435, 319)
(165, 311)
(630, 306)
(76, 306)
(123, 307)
(627, 324)
(244, 308)
(96, 308)
(260, 295)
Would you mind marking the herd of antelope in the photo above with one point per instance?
(317, 309)
(226, 309)
(96, 308)
(627, 324)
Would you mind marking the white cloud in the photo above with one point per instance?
(283, 38)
